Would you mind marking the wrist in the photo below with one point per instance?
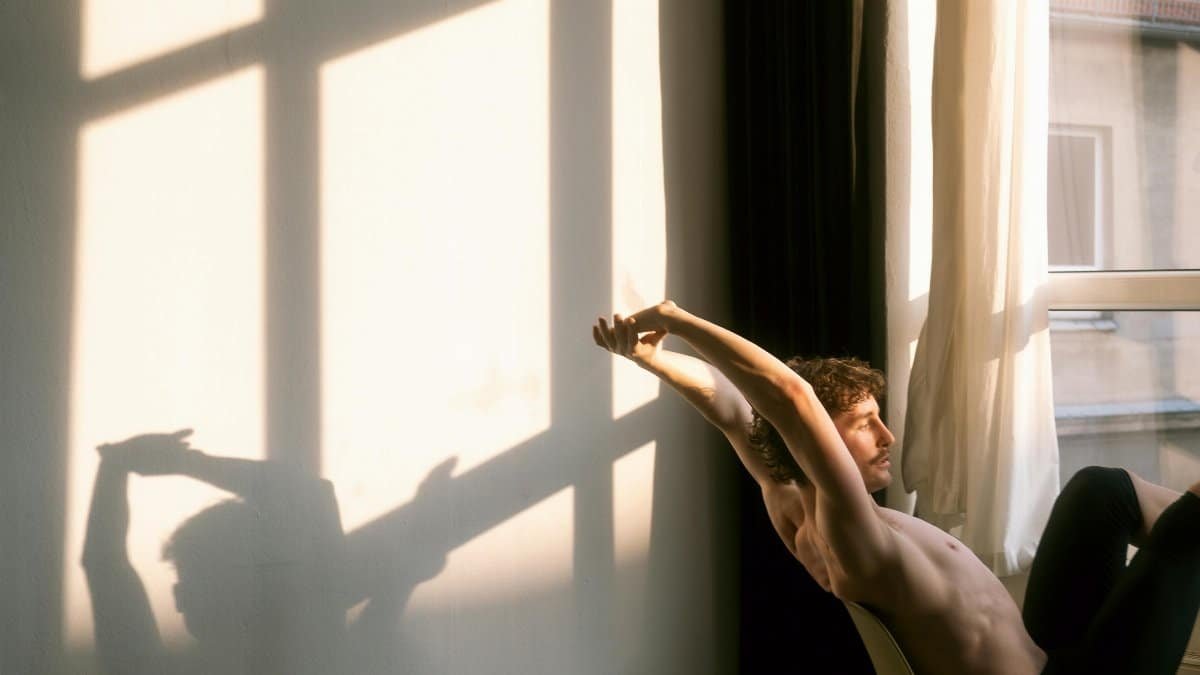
(111, 465)
(189, 460)
(677, 320)
(651, 364)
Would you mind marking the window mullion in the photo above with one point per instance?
(1132, 290)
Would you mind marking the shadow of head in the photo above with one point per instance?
(213, 558)
(245, 582)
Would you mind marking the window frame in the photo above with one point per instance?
(1124, 290)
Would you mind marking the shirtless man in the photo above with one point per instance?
(948, 611)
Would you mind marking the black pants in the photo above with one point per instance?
(1089, 611)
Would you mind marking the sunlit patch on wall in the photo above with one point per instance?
(168, 311)
(435, 252)
(120, 33)
(633, 500)
(633, 507)
(639, 204)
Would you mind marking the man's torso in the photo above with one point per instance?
(944, 606)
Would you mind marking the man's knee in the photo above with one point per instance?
(1177, 530)
(1195, 489)
(1093, 479)
(1101, 487)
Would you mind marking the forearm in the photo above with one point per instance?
(276, 490)
(108, 518)
(765, 381)
(700, 384)
(703, 386)
(239, 476)
(126, 636)
(791, 406)
(715, 397)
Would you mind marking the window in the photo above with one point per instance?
(1124, 159)
(1124, 248)
(1075, 224)
(1074, 194)
(1131, 397)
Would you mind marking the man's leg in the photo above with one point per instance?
(1145, 623)
(1081, 556)
(1153, 499)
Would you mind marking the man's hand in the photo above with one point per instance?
(148, 454)
(656, 318)
(622, 339)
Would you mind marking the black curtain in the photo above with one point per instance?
(805, 174)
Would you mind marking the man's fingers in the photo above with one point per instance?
(622, 336)
(621, 333)
(606, 334)
(633, 332)
(642, 314)
(654, 338)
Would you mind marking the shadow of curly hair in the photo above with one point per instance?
(839, 383)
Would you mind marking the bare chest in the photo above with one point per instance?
(931, 564)
(947, 607)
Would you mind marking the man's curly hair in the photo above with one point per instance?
(839, 383)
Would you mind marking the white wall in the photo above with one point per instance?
(367, 240)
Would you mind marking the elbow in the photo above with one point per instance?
(797, 392)
(785, 399)
(800, 402)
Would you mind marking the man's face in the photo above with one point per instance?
(869, 442)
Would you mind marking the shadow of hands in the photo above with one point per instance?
(388, 558)
(154, 454)
(399, 550)
(433, 494)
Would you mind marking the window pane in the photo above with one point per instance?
(1125, 73)
(1126, 393)
(1072, 221)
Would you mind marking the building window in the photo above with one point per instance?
(1074, 199)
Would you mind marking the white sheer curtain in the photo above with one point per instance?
(980, 446)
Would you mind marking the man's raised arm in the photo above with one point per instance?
(790, 405)
(699, 383)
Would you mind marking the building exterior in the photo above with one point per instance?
(1124, 194)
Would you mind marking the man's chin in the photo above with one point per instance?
(880, 478)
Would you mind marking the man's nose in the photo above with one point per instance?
(888, 439)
